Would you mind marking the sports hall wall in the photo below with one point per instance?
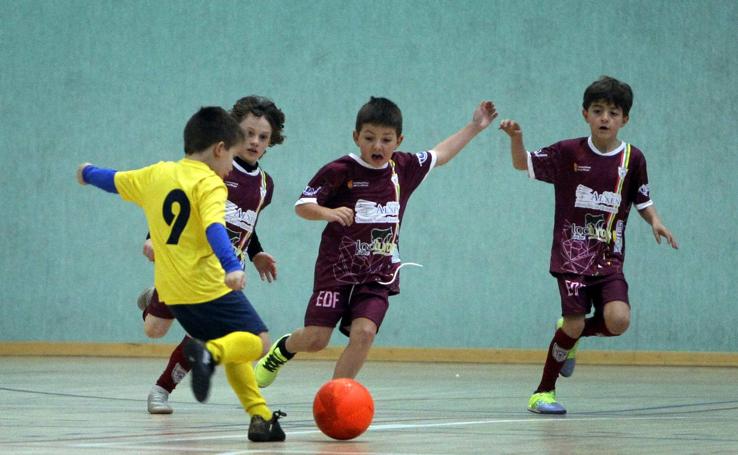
(114, 82)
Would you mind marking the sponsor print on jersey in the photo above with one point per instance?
(353, 268)
(381, 244)
(580, 168)
(594, 228)
(578, 253)
(607, 201)
(357, 184)
(367, 212)
(237, 217)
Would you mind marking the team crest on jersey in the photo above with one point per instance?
(644, 190)
(381, 244)
(422, 157)
(622, 171)
(587, 198)
(366, 212)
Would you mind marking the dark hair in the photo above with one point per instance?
(209, 125)
(609, 89)
(382, 112)
(261, 106)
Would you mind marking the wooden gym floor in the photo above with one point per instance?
(76, 405)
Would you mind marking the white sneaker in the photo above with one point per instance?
(158, 401)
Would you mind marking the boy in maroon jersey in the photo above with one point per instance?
(363, 199)
(596, 179)
(250, 190)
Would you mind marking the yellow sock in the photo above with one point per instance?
(235, 347)
(243, 382)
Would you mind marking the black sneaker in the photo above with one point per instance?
(203, 367)
(261, 430)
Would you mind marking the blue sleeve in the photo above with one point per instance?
(100, 177)
(221, 244)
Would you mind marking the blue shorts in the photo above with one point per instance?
(217, 318)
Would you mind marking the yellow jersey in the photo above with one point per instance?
(180, 200)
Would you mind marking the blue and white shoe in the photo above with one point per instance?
(545, 403)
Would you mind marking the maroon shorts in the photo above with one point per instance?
(329, 306)
(580, 293)
(158, 308)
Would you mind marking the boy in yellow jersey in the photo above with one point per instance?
(184, 204)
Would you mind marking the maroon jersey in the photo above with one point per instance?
(594, 192)
(248, 194)
(367, 251)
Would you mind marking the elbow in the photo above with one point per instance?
(520, 166)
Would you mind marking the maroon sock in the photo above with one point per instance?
(557, 351)
(176, 369)
(595, 327)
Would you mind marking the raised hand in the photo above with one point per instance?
(484, 114)
(510, 127)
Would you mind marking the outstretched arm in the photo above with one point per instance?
(314, 212)
(483, 116)
(659, 230)
(517, 149)
(97, 176)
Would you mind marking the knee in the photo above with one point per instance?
(618, 324)
(265, 344)
(154, 329)
(316, 342)
(362, 335)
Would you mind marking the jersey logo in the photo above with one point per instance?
(594, 229)
(579, 168)
(367, 212)
(422, 157)
(587, 198)
(310, 191)
(381, 244)
(244, 219)
(357, 184)
(644, 190)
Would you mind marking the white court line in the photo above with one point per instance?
(158, 441)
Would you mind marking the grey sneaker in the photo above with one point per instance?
(144, 298)
(158, 401)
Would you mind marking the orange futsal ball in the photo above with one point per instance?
(343, 409)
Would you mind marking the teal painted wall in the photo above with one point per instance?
(114, 82)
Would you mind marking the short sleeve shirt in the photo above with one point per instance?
(594, 192)
(368, 250)
(180, 201)
(248, 194)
